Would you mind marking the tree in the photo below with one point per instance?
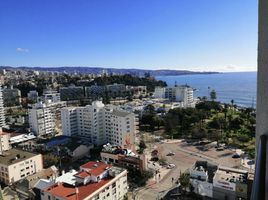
(142, 145)
(213, 95)
(184, 180)
(232, 102)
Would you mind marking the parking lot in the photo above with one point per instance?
(185, 155)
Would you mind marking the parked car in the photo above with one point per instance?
(220, 149)
(171, 153)
(236, 156)
(170, 166)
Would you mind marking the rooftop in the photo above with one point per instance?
(13, 156)
(30, 181)
(120, 113)
(21, 138)
(96, 168)
(69, 192)
(66, 189)
(231, 175)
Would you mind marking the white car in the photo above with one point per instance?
(170, 166)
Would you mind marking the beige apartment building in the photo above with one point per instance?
(16, 164)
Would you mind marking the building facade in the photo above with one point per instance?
(71, 93)
(182, 94)
(42, 119)
(2, 112)
(51, 96)
(124, 158)
(116, 90)
(219, 182)
(99, 124)
(16, 164)
(11, 97)
(4, 142)
(32, 96)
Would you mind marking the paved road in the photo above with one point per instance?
(181, 159)
(184, 158)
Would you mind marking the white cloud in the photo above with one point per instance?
(22, 50)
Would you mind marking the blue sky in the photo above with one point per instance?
(203, 35)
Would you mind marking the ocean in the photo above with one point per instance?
(239, 86)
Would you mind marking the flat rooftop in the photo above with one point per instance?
(231, 175)
(13, 156)
(120, 113)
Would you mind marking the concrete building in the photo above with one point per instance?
(42, 119)
(71, 93)
(51, 96)
(260, 186)
(4, 142)
(123, 158)
(230, 183)
(116, 90)
(32, 96)
(2, 112)
(27, 188)
(16, 164)
(137, 90)
(219, 182)
(94, 91)
(183, 94)
(11, 97)
(94, 180)
(100, 124)
(201, 178)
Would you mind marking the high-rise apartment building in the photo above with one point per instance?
(71, 93)
(182, 94)
(11, 96)
(99, 124)
(42, 119)
(2, 113)
(51, 96)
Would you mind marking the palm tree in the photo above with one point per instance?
(232, 102)
(184, 180)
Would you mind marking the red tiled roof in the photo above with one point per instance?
(82, 174)
(96, 168)
(69, 192)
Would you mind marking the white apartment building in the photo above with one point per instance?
(51, 96)
(100, 124)
(16, 164)
(183, 94)
(2, 113)
(94, 180)
(42, 119)
(4, 141)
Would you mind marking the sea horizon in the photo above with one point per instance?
(238, 86)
